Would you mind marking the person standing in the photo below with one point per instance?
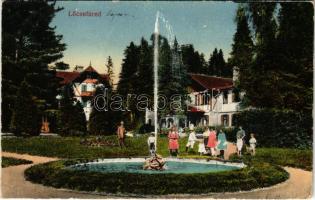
(121, 134)
(222, 143)
(239, 140)
(205, 136)
(252, 144)
(173, 145)
(201, 147)
(191, 140)
(212, 142)
(151, 144)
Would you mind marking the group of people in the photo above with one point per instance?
(211, 142)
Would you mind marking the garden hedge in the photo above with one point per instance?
(9, 161)
(276, 128)
(255, 175)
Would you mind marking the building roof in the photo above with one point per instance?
(194, 109)
(212, 82)
(67, 77)
(90, 69)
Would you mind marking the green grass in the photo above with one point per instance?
(8, 161)
(282, 156)
(70, 147)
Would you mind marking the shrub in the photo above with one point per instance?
(277, 128)
(8, 161)
(254, 176)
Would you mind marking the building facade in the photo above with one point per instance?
(213, 100)
(84, 83)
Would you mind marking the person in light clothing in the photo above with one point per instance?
(252, 144)
(239, 140)
(151, 144)
(201, 147)
(191, 140)
(222, 143)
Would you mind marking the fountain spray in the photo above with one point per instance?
(156, 64)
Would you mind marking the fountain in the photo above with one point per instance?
(155, 65)
(155, 162)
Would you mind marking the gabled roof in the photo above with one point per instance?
(212, 82)
(67, 77)
(90, 69)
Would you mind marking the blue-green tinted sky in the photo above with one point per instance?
(206, 25)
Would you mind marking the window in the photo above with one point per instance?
(233, 119)
(236, 96)
(225, 120)
(225, 97)
(196, 100)
(83, 88)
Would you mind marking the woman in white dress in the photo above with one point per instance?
(201, 147)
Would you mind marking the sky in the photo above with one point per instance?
(204, 24)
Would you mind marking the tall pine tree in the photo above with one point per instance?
(242, 49)
(29, 45)
(295, 55)
(110, 72)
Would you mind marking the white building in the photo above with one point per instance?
(84, 83)
(214, 100)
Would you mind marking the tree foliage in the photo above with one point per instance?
(280, 56)
(25, 119)
(72, 120)
(29, 45)
(110, 72)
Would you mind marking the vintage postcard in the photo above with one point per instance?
(157, 99)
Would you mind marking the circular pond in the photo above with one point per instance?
(173, 166)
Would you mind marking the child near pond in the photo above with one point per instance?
(252, 144)
(191, 140)
(151, 144)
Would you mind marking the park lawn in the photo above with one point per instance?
(70, 147)
(8, 161)
(286, 157)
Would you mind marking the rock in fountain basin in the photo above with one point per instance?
(156, 162)
(173, 165)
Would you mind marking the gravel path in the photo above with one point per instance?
(14, 185)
